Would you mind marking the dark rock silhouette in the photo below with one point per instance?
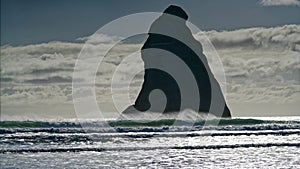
(169, 33)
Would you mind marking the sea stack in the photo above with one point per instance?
(166, 84)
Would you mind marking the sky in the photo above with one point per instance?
(32, 21)
(257, 41)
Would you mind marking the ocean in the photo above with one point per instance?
(272, 142)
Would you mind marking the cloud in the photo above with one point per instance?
(261, 65)
(35, 94)
(279, 2)
(263, 79)
(52, 79)
(100, 38)
(253, 93)
(283, 37)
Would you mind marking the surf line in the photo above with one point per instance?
(55, 150)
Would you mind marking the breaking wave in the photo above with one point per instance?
(139, 123)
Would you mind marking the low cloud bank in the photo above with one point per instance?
(261, 65)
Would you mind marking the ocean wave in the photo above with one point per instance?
(78, 137)
(140, 123)
(82, 149)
